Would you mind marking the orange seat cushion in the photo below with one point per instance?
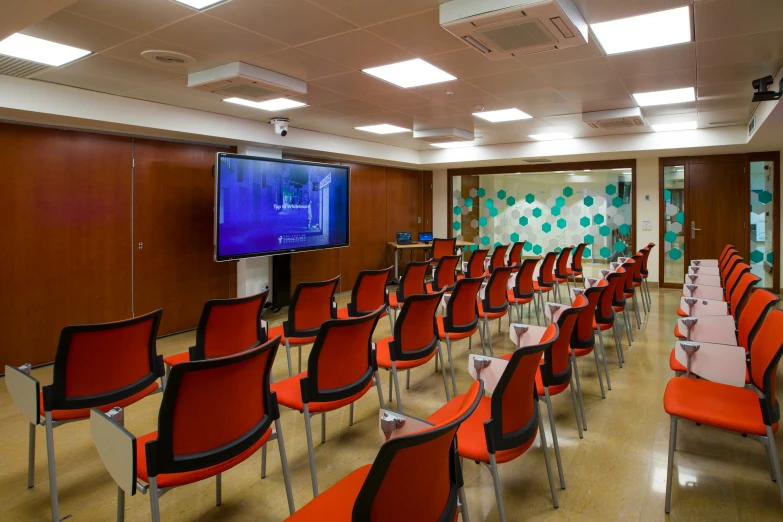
(393, 302)
(675, 366)
(677, 332)
(681, 312)
(180, 479)
(173, 360)
(84, 413)
(619, 308)
(278, 330)
(520, 301)
(452, 335)
(544, 289)
(603, 327)
(471, 440)
(490, 315)
(336, 503)
(581, 352)
(289, 394)
(384, 357)
(714, 404)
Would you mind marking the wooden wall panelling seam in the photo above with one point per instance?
(173, 218)
(404, 205)
(427, 201)
(65, 210)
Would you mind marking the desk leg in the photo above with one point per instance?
(396, 266)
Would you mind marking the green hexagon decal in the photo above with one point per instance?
(511, 201)
(765, 197)
(589, 239)
(528, 246)
(585, 221)
(457, 225)
(493, 212)
(555, 211)
(589, 201)
(611, 190)
(771, 258)
(619, 247)
(605, 231)
(680, 218)
(489, 203)
(670, 237)
(457, 210)
(756, 256)
(537, 212)
(568, 192)
(562, 224)
(514, 237)
(485, 240)
(468, 202)
(675, 254)
(598, 219)
(560, 202)
(481, 192)
(524, 221)
(537, 250)
(624, 229)
(667, 195)
(605, 252)
(617, 202)
(546, 227)
(530, 198)
(501, 194)
(483, 221)
(587, 252)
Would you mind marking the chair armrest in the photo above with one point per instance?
(393, 424)
(25, 391)
(116, 446)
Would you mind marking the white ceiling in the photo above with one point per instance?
(328, 42)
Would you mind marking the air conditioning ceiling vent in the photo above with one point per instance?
(615, 119)
(19, 68)
(242, 80)
(449, 135)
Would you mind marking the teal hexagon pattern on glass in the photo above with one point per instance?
(560, 202)
(611, 190)
(493, 212)
(485, 240)
(501, 194)
(619, 247)
(667, 195)
(680, 218)
(587, 252)
(617, 202)
(457, 210)
(756, 256)
(524, 221)
(537, 250)
(675, 254)
(771, 258)
(562, 224)
(624, 229)
(537, 212)
(568, 192)
(765, 197)
(511, 201)
(483, 221)
(555, 211)
(530, 198)
(490, 203)
(457, 225)
(514, 237)
(528, 246)
(589, 239)
(585, 221)
(605, 252)
(481, 192)
(469, 202)
(605, 231)
(589, 201)
(670, 237)
(598, 219)
(546, 227)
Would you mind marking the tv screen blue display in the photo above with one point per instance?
(267, 206)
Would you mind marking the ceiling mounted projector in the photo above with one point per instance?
(245, 81)
(505, 28)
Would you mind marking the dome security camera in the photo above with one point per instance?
(281, 126)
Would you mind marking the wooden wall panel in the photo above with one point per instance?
(173, 208)
(317, 265)
(65, 217)
(404, 206)
(427, 201)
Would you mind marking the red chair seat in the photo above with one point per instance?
(384, 357)
(289, 394)
(553, 390)
(537, 288)
(490, 315)
(581, 352)
(472, 442)
(681, 312)
(84, 413)
(677, 332)
(278, 330)
(561, 279)
(619, 308)
(336, 503)
(453, 336)
(675, 366)
(714, 404)
(189, 477)
(602, 327)
(520, 301)
(173, 360)
(393, 302)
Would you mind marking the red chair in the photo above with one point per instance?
(646, 272)
(413, 343)
(411, 283)
(524, 292)
(99, 366)
(340, 371)
(638, 281)
(546, 278)
(606, 318)
(311, 306)
(475, 264)
(583, 339)
(515, 255)
(444, 274)
(415, 477)
(368, 294)
(576, 269)
(728, 408)
(562, 274)
(632, 266)
(494, 304)
(498, 258)
(619, 302)
(443, 247)
(504, 427)
(215, 414)
(226, 327)
(462, 319)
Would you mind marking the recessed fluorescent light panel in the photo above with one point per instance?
(503, 115)
(646, 99)
(278, 104)
(199, 4)
(384, 128)
(38, 50)
(410, 74)
(453, 144)
(551, 136)
(683, 125)
(645, 31)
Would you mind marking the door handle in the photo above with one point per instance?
(694, 230)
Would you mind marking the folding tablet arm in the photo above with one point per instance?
(393, 424)
(520, 330)
(692, 288)
(689, 323)
(24, 390)
(689, 349)
(479, 363)
(690, 301)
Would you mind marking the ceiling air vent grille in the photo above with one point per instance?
(19, 68)
(530, 33)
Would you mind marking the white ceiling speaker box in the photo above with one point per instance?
(443, 135)
(242, 80)
(615, 119)
(505, 28)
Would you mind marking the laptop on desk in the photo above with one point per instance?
(404, 238)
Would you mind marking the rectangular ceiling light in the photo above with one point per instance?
(551, 136)
(410, 74)
(200, 4)
(383, 128)
(278, 104)
(453, 144)
(40, 51)
(683, 125)
(645, 31)
(646, 99)
(503, 115)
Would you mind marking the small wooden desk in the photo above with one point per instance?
(414, 246)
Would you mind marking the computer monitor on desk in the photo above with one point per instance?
(404, 238)
(425, 237)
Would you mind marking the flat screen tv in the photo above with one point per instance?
(266, 206)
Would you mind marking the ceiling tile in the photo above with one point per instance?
(593, 70)
(218, 38)
(763, 47)
(726, 90)
(77, 31)
(420, 34)
(719, 104)
(131, 51)
(303, 114)
(653, 61)
(364, 12)
(535, 98)
(733, 72)
(139, 16)
(661, 82)
(469, 63)
(596, 11)
(566, 119)
(297, 63)
(607, 104)
(352, 107)
(290, 21)
(391, 117)
(86, 81)
(398, 99)
(180, 96)
(673, 118)
(594, 91)
(488, 102)
(569, 54)
(108, 67)
(439, 92)
(555, 109)
(355, 84)
(318, 96)
(739, 115)
(509, 82)
(358, 50)
(673, 108)
(722, 18)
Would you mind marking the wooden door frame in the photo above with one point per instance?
(686, 161)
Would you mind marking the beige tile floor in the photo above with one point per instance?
(617, 472)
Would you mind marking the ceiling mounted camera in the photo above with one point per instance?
(763, 93)
(281, 126)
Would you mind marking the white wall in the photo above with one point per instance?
(440, 186)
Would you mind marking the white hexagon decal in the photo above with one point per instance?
(515, 214)
(472, 192)
(457, 194)
(611, 211)
(671, 210)
(676, 228)
(619, 219)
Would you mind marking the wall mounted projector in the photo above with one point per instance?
(763, 93)
(505, 28)
(242, 80)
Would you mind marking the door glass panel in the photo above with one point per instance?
(762, 219)
(674, 224)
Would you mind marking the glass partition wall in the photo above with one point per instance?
(547, 210)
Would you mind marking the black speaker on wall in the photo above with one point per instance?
(281, 280)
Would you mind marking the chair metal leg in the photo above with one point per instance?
(323, 427)
(443, 370)
(263, 461)
(489, 337)
(310, 451)
(546, 458)
(154, 500)
(391, 322)
(496, 480)
(670, 465)
(350, 415)
(636, 309)
(408, 380)
(31, 456)
(541, 299)
(552, 427)
(218, 489)
(628, 327)
(481, 336)
(120, 505)
(463, 505)
(576, 408)
(603, 356)
(579, 390)
(396, 386)
(598, 371)
(52, 469)
(391, 385)
(451, 363)
(470, 346)
(617, 344)
(378, 387)
(288, 355)
(300, 359)
(568, 288)
(775, 460)
(284, 464)
(538, 318)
